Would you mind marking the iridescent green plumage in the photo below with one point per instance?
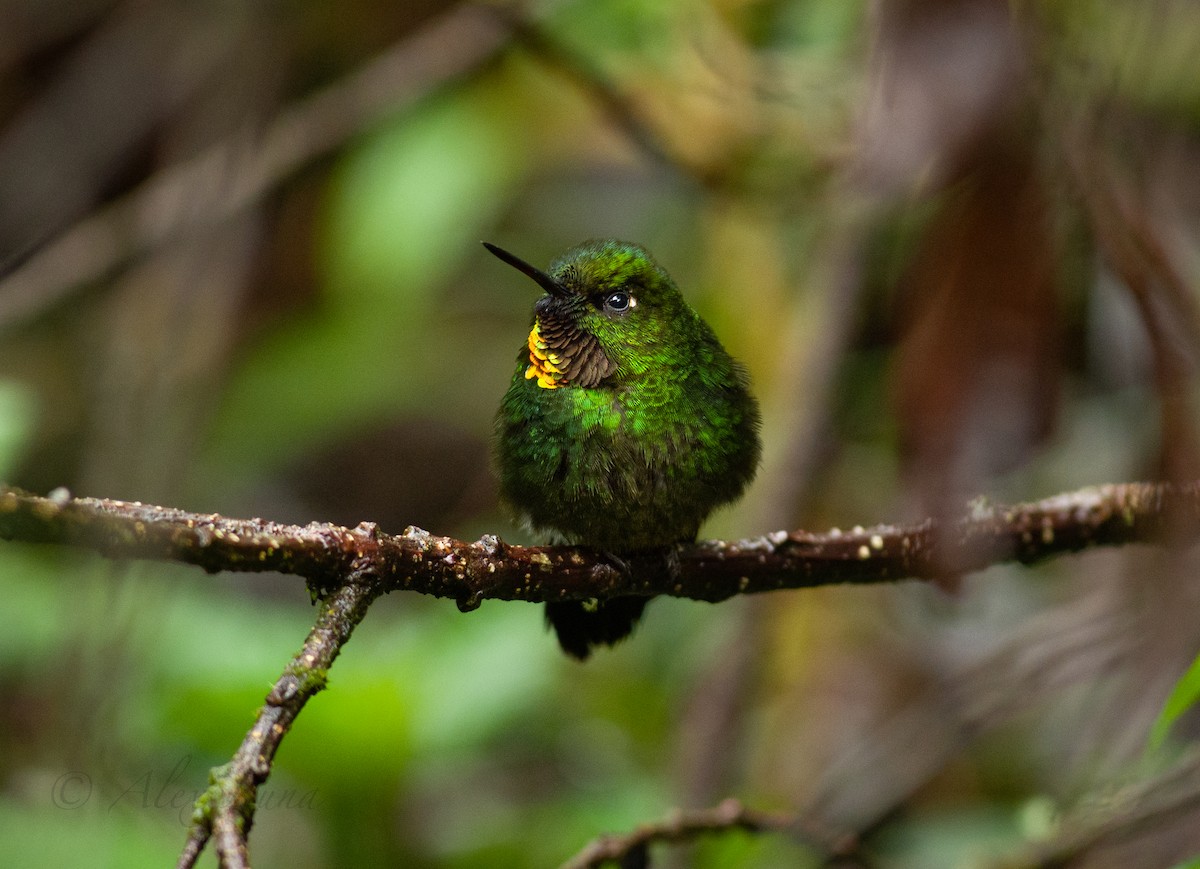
(626, 422)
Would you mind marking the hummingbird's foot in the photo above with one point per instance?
(674, 564)
(615, 561)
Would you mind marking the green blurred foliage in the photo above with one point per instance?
(456, 740)
(1184, 697)
(400, 216)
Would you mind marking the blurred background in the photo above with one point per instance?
(954, 241)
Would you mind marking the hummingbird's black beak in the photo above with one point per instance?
(544, 280)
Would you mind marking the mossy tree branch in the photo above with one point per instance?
(225, 812)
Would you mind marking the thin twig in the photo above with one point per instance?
(225, 812)
(683, 826)
(618, 106)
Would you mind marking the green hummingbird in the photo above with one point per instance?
(626, 423)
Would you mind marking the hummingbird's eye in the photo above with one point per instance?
(618, 302)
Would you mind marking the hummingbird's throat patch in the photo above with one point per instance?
(543, 362)
(561, 353)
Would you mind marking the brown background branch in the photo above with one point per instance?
(238, 171)
(684, 826)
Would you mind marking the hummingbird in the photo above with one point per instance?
(625, 425)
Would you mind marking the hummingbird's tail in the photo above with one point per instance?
(581, 626)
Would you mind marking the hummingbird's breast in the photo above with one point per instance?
(632, 466)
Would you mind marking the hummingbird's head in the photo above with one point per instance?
(609, 307)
